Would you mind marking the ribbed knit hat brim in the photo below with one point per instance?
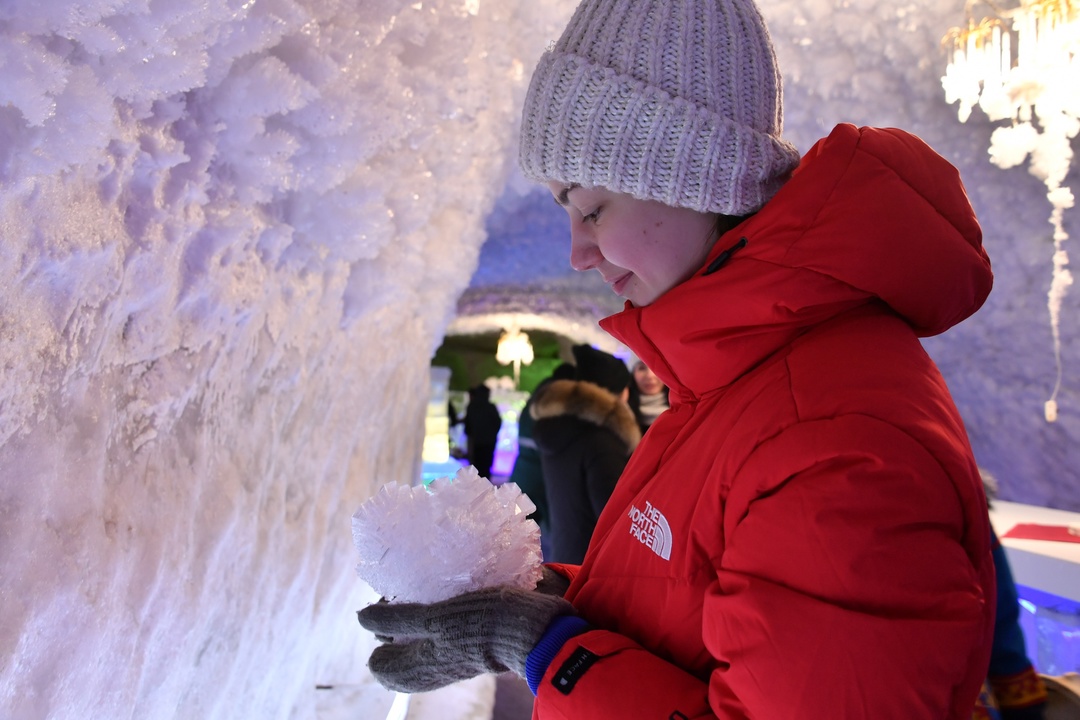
(696, 129)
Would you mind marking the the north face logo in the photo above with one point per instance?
(651, 528)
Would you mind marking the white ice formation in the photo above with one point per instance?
(425, 544)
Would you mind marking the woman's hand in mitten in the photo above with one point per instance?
(429, 646)
(552, 583)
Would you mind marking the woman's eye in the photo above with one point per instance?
(591, 217)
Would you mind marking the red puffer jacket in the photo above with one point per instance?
(803, 534)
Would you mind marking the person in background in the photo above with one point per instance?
(585, 432)
(482, 425)
(1014, 690)
(452, 418)
(648, 394)
(803, 534)
(527, 473)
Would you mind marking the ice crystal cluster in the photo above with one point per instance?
(420, 544)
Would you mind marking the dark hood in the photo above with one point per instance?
(584, 402)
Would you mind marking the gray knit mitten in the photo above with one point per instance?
(485, 631)
(552, 583)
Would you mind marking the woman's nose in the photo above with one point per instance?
(584, 252)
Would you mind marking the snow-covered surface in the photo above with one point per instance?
(234, 232)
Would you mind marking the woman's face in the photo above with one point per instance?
(646, 381)
(642, 248)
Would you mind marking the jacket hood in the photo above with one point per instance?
(590, 403)
(870, 216)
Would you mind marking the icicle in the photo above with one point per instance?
(993, 58)
(1061, 281)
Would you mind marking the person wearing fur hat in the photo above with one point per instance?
(585, 432)
(803, 534)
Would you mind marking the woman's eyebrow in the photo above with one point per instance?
(563, 197)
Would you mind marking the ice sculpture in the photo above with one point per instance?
(420, 544)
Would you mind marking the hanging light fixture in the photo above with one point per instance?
(1023, 66)
(514, 347)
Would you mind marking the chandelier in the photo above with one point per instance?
(514, 347)
(1022, 65)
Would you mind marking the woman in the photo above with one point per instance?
(648, 395)
(803, 534)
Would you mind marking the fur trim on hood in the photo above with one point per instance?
(589, 402)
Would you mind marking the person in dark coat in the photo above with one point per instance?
(585, 432)
(527, 473)
(482, 425)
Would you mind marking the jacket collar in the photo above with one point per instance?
(870, 215)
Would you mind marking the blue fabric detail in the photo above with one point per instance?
(1008, 654)
(551, 642)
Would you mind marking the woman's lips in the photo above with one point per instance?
(619, 283)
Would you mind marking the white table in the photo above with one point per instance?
(1046, 565)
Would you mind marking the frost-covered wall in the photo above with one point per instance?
(231, 237)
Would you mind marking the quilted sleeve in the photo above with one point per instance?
(855, 581)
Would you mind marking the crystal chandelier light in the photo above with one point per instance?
(514, 347)
(1022, 65)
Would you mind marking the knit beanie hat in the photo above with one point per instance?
(678, 101)
(597, 366)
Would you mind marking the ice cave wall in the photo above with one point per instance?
(233, 235)
(234, 232)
